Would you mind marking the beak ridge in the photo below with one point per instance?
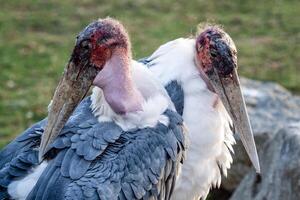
(231, 95)
(71, 89)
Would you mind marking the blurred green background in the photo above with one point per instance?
(36, 38)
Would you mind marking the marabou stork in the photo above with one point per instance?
(124, 142)
(201, 78)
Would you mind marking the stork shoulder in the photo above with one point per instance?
(173, 61)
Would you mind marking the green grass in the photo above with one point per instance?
(36, 38)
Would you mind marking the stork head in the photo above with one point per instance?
(94, 47)
(96, 43)
(216, 58)
(216, 51)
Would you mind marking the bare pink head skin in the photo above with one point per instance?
(101, 57)
(216, 59)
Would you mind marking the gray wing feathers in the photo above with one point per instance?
(144, 167)
(26, 141)
(92, 160)
(18, 157)
(175, 91)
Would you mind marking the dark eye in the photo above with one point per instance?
(102, 40)
(86, 45)
(213, 53)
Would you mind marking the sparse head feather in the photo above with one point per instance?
(202, 27)
(117, 30)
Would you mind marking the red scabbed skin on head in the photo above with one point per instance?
(203, 52)
(100, 52)
(106, 36)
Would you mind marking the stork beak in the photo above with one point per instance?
(230, 93)
(72, 88)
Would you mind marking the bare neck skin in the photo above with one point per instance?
(118, 88)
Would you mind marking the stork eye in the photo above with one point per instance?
(213, 53)
(102, 40)
(86, 45)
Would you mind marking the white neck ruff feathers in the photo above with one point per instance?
(151, 113)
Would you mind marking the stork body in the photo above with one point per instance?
(106, 148)
(210, 136)
(210, 101)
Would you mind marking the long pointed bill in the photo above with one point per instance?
(230, 93)
(71, 89)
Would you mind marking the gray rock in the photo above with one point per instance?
(280, 174)
(270, 107)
